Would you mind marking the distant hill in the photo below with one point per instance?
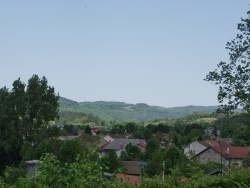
(120, 111)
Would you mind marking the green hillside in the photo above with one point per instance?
(120, 111)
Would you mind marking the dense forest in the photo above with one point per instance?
(120, 111)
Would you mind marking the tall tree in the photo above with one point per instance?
(233, 77)
(24, 112)
(42, 106)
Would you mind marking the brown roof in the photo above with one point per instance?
(233, 152)
(132, 167)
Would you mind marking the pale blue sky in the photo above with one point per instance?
(152, 51)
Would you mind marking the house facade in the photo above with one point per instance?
(224, 155)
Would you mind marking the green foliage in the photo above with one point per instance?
(246, 162)
(235, 179)
(233, 77)
(25, 112)
(87, 130)
(69, 151)
(155, 163)
(51, 145)
(174, 156)
(72, 116)
(86, 172)
(11, 174)
(131, 153)
(111, 162)
(65, 151)
(89, 141)
(152, 146)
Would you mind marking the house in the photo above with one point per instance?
(224, 155)
(119, 145)
(198, 146)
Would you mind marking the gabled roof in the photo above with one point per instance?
(232, 152)
(121, 143)
(132, 167)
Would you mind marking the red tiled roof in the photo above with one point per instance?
(233, 152)
(131, 179)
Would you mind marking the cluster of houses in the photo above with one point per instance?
(219, 150)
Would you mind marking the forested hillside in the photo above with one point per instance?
(120, 111)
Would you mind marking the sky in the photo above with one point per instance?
(156, 52)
